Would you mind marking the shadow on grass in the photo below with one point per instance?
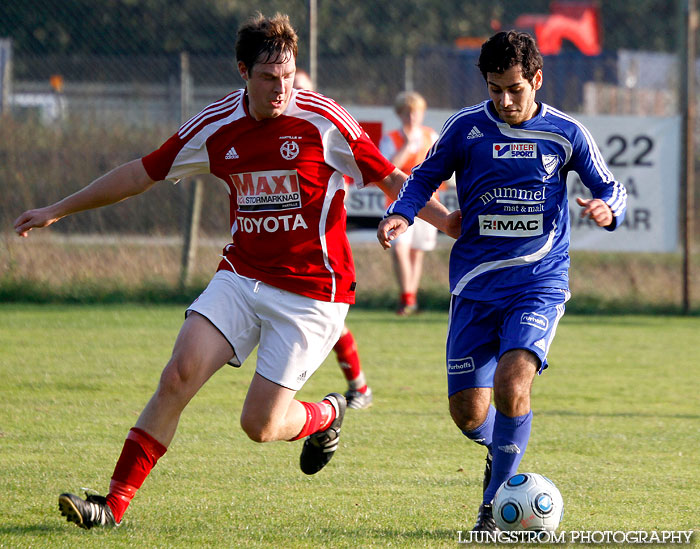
(29, 529)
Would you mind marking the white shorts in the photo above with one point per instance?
(419, 236)
(295, 333)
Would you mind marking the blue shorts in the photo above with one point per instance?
(480, 332)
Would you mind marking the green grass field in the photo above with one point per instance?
(617, 427)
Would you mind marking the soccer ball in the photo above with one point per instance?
(528, 501)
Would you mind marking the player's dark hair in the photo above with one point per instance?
(266, 40)
(507, 49)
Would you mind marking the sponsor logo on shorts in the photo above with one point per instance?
(515, 150)
(536, 321)
(518, 226)
(272, 190)
(457, 366)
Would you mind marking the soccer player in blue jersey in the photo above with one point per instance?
(509, 268)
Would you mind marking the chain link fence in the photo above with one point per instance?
(126, 64)
(87, 85)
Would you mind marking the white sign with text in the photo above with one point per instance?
(643, 154)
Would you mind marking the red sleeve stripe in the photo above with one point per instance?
(227, 104)
(230, 97)
(331, 108)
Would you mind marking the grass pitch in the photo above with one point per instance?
(616, 426)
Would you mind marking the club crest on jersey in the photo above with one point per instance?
(550, 163)
(289, 150)
(272, 190)
(515, 150)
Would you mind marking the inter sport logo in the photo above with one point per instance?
(515, 150)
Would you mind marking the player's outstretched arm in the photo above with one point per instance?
(597, 210)
(392, 183)
(433, 212)
(453, 224)
(122, 182)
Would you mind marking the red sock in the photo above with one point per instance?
(319, 415)
(349, 362)
(408, 298)
(140, 454)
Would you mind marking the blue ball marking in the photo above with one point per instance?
(517, 480)
(509, 512)
(544, 503)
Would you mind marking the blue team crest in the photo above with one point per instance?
(550, 163)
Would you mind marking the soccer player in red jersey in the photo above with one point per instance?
(286, 280)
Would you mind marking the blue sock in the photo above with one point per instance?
(483, 434)
(510, 436)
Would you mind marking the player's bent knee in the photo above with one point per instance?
(512, 399)
(256, 430)
(467, 418)
(467, 423)
(470, 407)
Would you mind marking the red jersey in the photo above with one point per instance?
(285, 181)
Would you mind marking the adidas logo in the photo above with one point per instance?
(540, 344)
(510, 449)
(301, 377)
(231, 154)
(474, 133)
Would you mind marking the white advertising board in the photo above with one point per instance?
(643, 154)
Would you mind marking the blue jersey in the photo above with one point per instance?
(511, 185)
